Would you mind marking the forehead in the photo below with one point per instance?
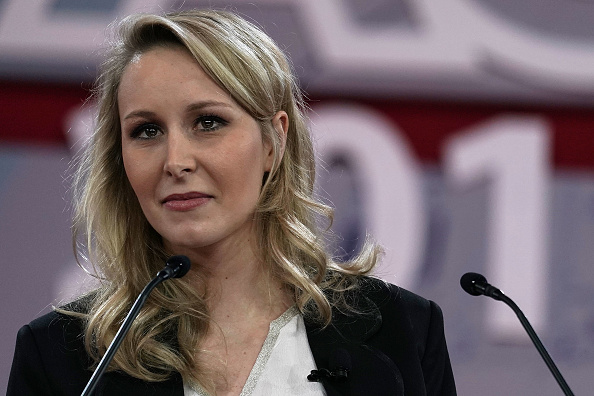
(166, 74)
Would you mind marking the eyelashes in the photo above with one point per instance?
(205, 123)
(209, 123)
(145, 131)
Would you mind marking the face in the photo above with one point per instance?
(193, 156)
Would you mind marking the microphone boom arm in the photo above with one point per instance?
(537, 343)
(119, 337)
(476, 285)
(177, 266)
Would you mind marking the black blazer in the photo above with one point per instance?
(396, 346)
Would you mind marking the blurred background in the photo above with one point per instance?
(460, 133)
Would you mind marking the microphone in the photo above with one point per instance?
(476, 285)
(175, 267)
(340, 365)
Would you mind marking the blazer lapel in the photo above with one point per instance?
(116, 384)
(371, 371)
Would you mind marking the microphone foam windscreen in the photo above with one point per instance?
(180, 264)
(469, 280)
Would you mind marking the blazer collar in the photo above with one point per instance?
(371, 371)
(347, 326)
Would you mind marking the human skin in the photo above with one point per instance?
(194, 157)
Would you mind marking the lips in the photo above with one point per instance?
(186, 201)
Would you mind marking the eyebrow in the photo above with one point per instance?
(191, 107)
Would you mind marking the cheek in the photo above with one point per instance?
(239, 178)
(129, 168)
(137, 174)
(250, 167)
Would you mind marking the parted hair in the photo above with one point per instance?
(113, 234)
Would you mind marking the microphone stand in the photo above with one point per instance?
(166, 273)
(537, 343)
(476, 285)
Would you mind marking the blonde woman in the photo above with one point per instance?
(201, 148)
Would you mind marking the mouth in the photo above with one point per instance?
(186, 201)
(185, 197)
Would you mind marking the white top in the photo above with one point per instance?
(283, 363)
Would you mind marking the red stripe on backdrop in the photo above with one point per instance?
(35, 113)
(428, 124)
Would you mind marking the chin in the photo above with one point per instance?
(187, 242)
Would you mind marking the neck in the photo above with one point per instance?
(237, 285)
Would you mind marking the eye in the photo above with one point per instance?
(146, 131)
(209, 123)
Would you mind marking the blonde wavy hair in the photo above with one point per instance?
(114, 235)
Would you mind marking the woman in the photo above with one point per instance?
(201, 148)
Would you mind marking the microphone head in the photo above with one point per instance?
(469, 281)
(180, 265)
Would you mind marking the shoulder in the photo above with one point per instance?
(403, 314)
(47, 349)
(391, 298)
(389, 332)
(58, 332)
(374, 307)
(65, 322)
(54, 325)
(412, 335)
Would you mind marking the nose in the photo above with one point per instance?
(179, 160)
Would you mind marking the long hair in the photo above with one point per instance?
(126, 251)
